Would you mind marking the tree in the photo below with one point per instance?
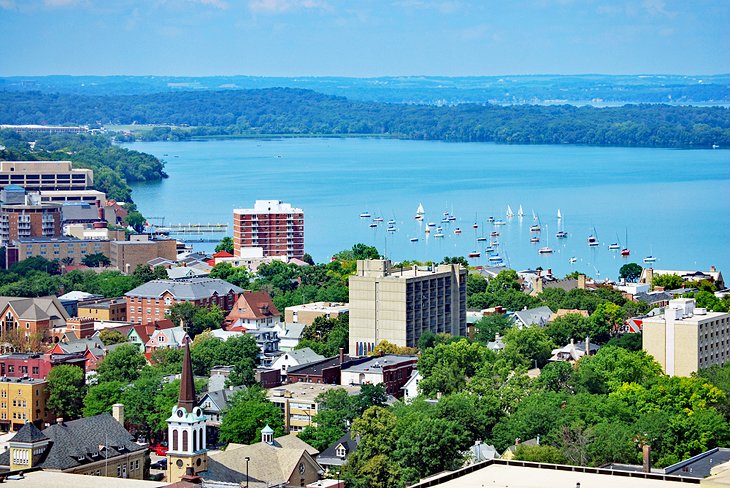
(67, 386)
(102, 396)
(385, 347)
(248, 413)
(139, 400)
(539, 454)
(629, 341)
(557, 377)
(111, 336)
(446, 368)
(630, 272)
(529, 346)
(182, 312)
(226, 244)
(95, 260)
(135, 220)
(489, 326)
(456, 260)
(506, 280)
(668, 281)
(426, 447)
(612, 366)
(237, 276)
(122, 364)
(607, 318)
(206, 318)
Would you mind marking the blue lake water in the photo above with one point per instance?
(673, 204)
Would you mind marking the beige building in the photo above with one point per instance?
(64, 196)
(685, 338)
(126, 255)
(55, 248)
(45, 175)
(298, 402)
(398, 305)
(305, 314)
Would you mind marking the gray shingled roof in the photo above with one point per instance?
(40, 308)
(537, 316)
(189, 289)
(305, 356)
(28, 433)
(78, 211)
(329, 456)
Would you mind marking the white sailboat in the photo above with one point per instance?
(520, 212)
(534, 216)
(420, 212)
(559, 216)
(509, 212)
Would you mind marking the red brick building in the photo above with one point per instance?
(149, 302)
(32, 318)
(273, 226)
(36, 365)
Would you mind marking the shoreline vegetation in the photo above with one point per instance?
(286, 112)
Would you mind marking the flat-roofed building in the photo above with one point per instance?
(127, 255)
(390, 370)
(45, 175)
(686, 338)
(398, 305)
(306, 313)
(55, 248)
(23, 400)
(23, 215)
(298, 402)
(92, 197)
(275, 227)
(114, 309)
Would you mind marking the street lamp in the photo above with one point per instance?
(247, 460)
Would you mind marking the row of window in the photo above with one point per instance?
(22, 369)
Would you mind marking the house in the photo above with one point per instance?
(268, 342)
(92, 349)
(23, 401)
(214, 403)
(509, 453)
(182, 272)
(337, 453)
(140, 334)
(481, 452)
(297, 357)
(701, 465)
(151, 301)
(281, 461)
(95, 446)
(114, 309)
(252, 310)
(572, 352)
(539, 316)
(32, 317)
(497, 344)
(172, 338)
(289, 335)
(410, 388)
(390, 370)
(648, 274)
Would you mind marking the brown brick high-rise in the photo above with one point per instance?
(273, 226)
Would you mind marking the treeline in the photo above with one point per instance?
(285, 111)
(114, 167)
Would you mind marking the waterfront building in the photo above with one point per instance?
(45, 175)
(686, 338)
(306, 313)
(61, 248)
(398, 305)
(273, 227)
(46, 129)
(23, 400)
(23, 216)
(92, 197)
(150, 301)
(648, 274)
(127, 255)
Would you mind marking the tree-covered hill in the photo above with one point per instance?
(303, 112)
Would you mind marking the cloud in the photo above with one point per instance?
(280, 6)
(657, 7)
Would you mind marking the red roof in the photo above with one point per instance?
(253, 305)
(222, 254)
(145, 331)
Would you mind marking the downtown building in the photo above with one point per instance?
(45, 175)
(271, 228)
(399, 305)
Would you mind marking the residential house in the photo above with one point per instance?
(91, 348)
(336, 454)
(280, 461)
(297, 357)
(95, 446)
(390, 370)
(539, 316)
(509, 453)
(289, 335)
(214, 403)
(31, 317)
(23, 400)
(150, 301)
(172, 338)
(497, 345)
(298, 402)
(182, 272)
(481, 452)
(572, 352)
(410, 388)
(140, 334)
(252, 310)
(268, 342)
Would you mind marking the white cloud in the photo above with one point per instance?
(279, 6)
(657, 7)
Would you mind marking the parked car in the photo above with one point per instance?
(161, 464)
(159, 449)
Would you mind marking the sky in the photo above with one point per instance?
(363, 38)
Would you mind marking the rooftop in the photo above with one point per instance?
(306, 391)
(320, 306)
(378, 362)
(188, 289)
(68, 480)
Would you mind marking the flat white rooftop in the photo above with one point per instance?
(268, 206)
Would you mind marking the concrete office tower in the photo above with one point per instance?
(271, 228)
(398, 305)
(686, 339)
(45, 175)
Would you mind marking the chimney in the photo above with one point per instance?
(191, 477)
(550, 272)
(118, 413)
(646, 451)
(538, 285)
(649, 277)
(342, 355)
(517, 441)
(588, 346)
(713, 269)
(59, 420)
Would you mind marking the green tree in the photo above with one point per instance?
(67, 386)
(612, 366)
(111, 336)
(428, 446)
(456, 260)
(668, 281)
(182, 313)
(489, 326)
(102, 396)
(446, 368)
(505, 280)
(206, 318)
(139, 400)
(95, 260)
(607, 318)
(529, 346)
(539, 454)
(569, 326)
(557, 377)
(122, 364)
(629, 341)
(630, 272)
(248, 412)
(135, 220)
(226, 244)
(237, 276)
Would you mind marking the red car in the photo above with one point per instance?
(159, 449)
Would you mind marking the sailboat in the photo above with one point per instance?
(536, 227)
(520, 212)
(649, 259)
(625, 251)
(559, 216)
(534, 216)
(509, 212)
(615, 245)
(420, 212)
(593, 239)
(547, 249)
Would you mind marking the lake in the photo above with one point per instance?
(672, 204)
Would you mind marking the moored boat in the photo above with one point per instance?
(365, 215)
(474, 254)
(534, 239)
(561, 235)
(457, 231)
(649, 259)
(545, 250)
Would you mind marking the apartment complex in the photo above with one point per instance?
(687, 338)
(36, 365)
(150, 301)
(273, 226)
(104, 309)
(127, 255)
(398, 305)
(298, 402)
(45, 175)
(22, 400)
(23, 216)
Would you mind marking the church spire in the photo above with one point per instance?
(187, 385)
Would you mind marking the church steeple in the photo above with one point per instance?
(186, 399)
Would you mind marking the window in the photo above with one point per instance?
(36, 370)
(185, 440)
(341, 451)
(174, 439)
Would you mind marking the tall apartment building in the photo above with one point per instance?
(398, 305)
(686, 338)
(273, 226)
(23, 400)
(45, 175)
(24, 216)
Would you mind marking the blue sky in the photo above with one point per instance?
(363, 37)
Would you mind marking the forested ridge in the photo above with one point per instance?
(286, 111)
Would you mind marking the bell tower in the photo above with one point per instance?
(186, 429)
